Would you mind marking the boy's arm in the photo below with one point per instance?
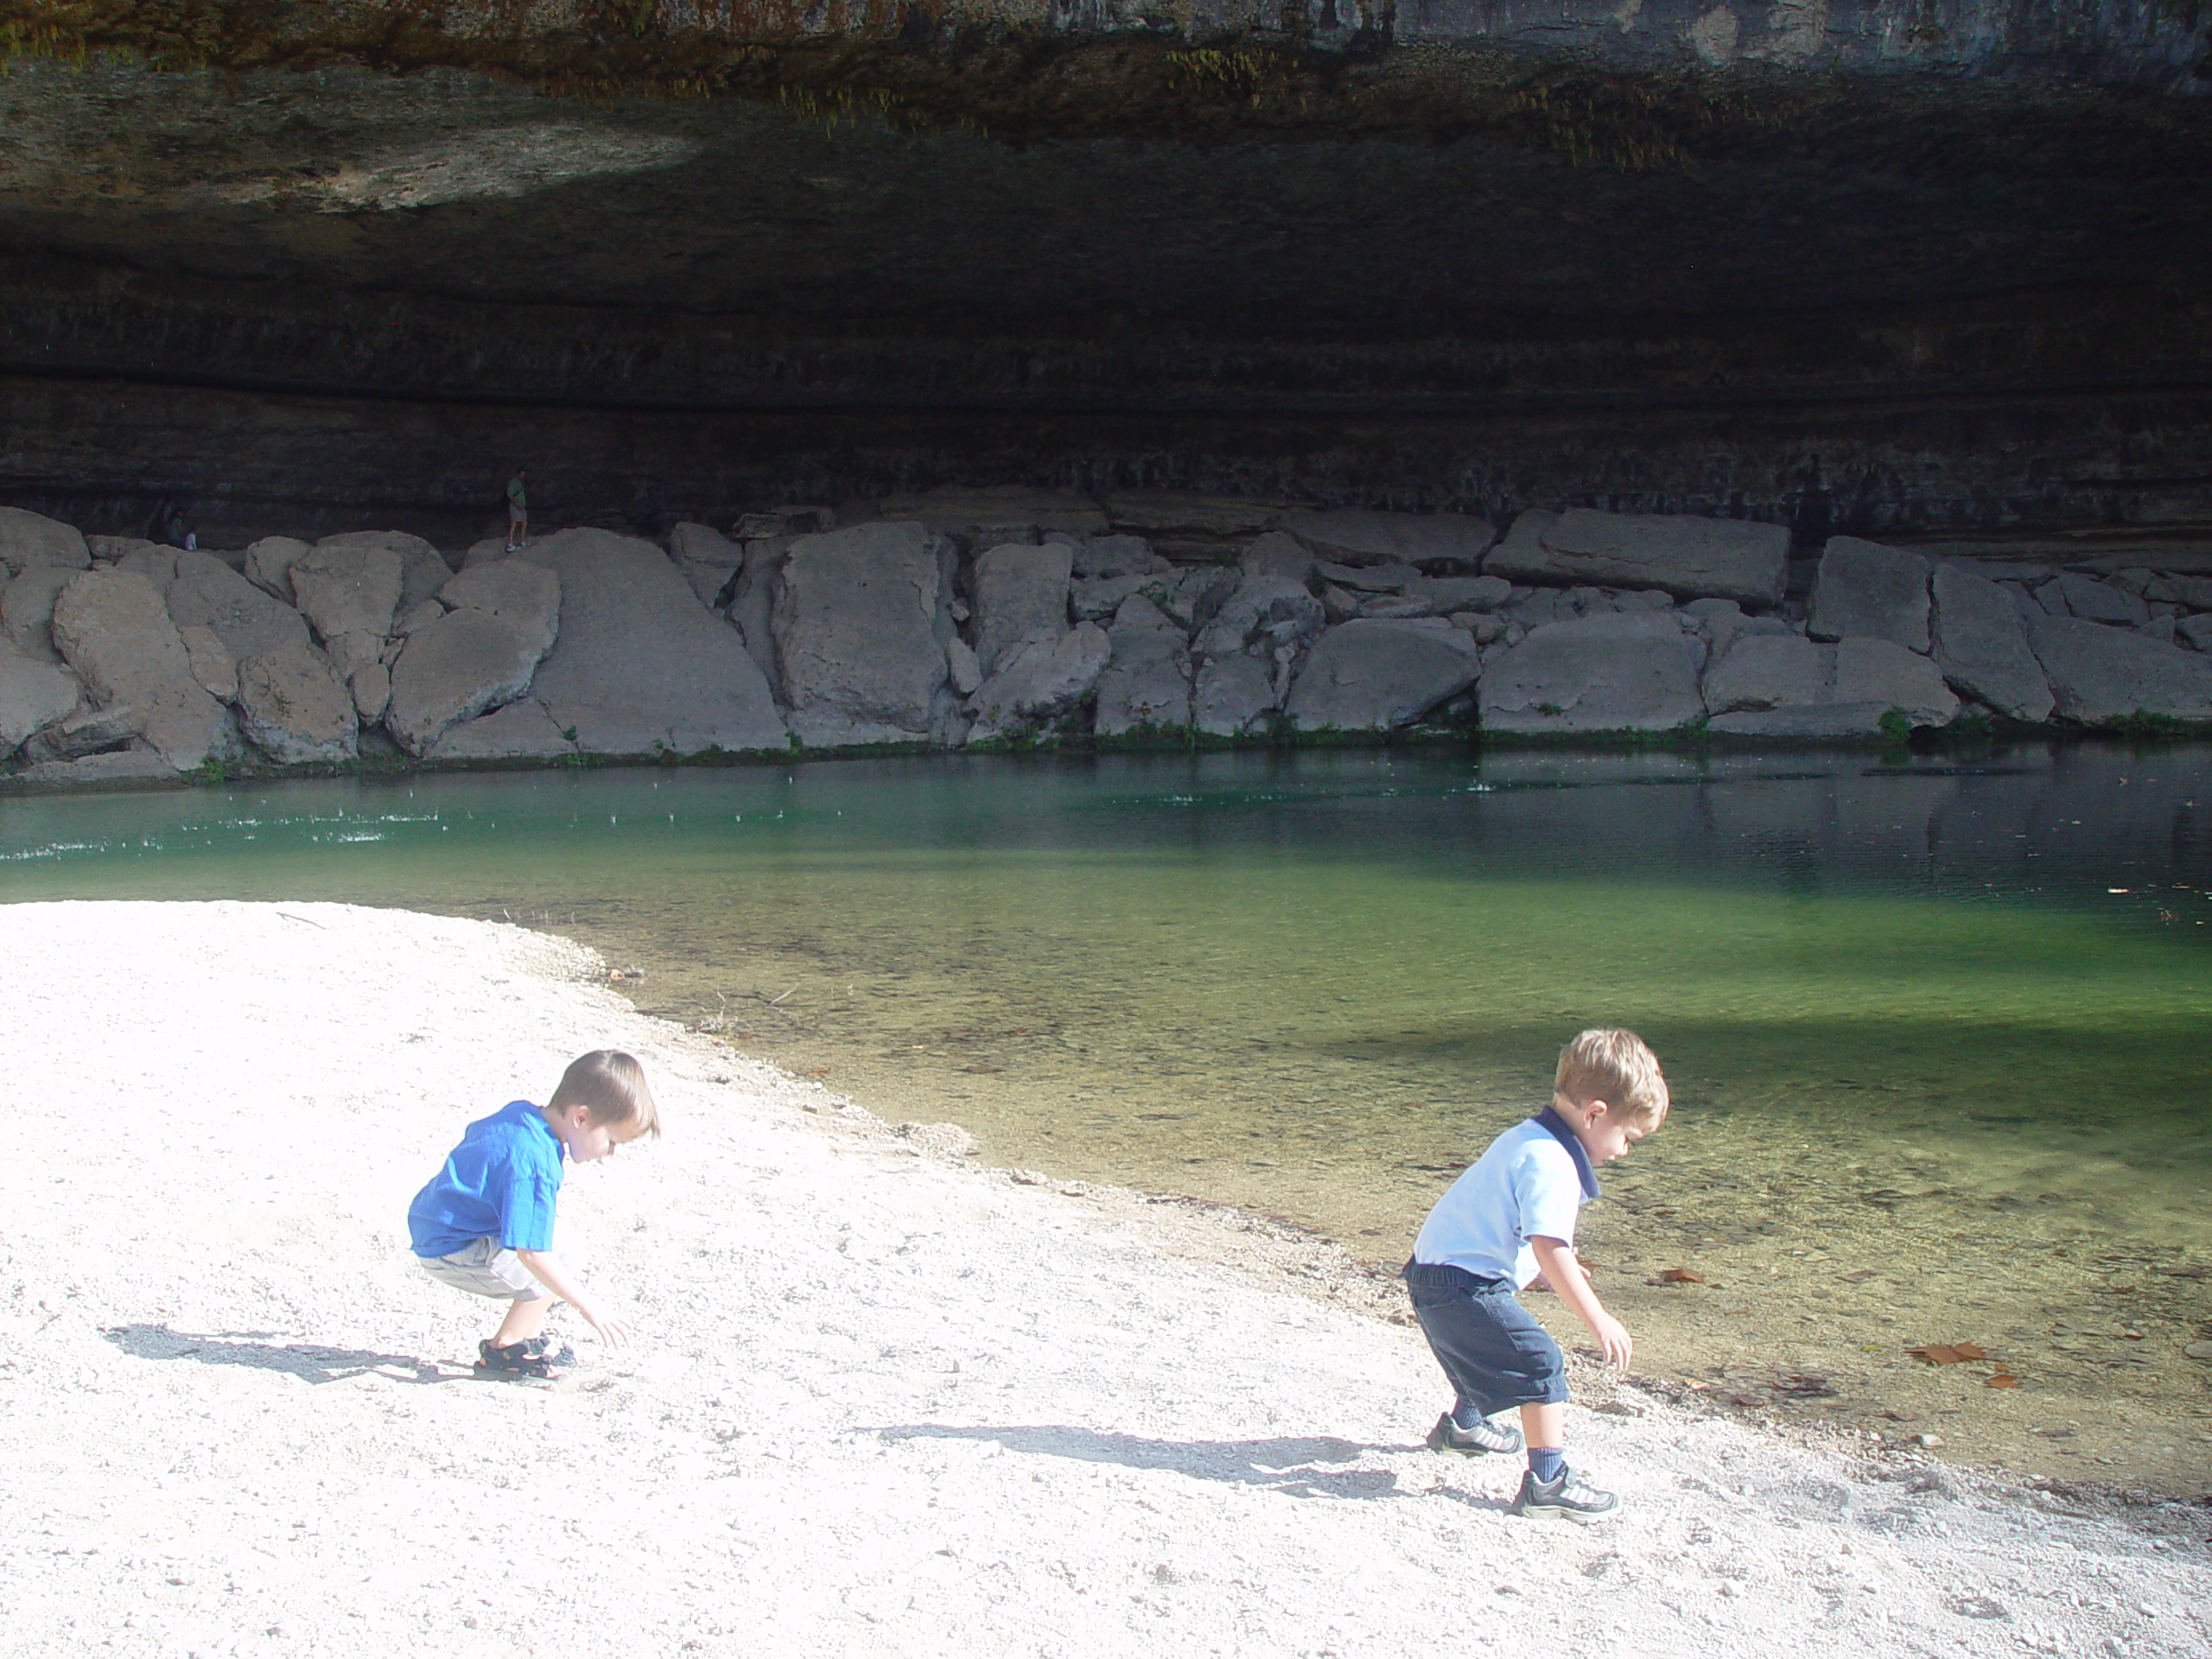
(1564, 1275)
(546, 1268)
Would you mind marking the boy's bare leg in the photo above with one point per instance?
(526, 1319)
(1544, 1424)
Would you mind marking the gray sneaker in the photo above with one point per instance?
(1485, 1436)
(1570, 1497)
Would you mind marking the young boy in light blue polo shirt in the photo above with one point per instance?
(485, 1224)
(1508, 1219)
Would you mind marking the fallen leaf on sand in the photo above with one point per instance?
(2001, 1380)
(1947, 1353)
(1679, 1276)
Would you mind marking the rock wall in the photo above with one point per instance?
(1010, 616)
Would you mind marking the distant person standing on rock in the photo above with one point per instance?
(517, 512)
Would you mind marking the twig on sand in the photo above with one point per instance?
(309, 920)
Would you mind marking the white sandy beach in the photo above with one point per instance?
(881, 1401)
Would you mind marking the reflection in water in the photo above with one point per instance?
(1933, 1029)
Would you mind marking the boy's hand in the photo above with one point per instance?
(615, 1332)
(1613, 1339)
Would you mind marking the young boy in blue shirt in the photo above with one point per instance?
(1507, 1220)
(485, 1223)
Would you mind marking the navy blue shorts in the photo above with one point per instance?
(1490, 1346)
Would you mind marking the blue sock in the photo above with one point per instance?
(1546, 1463)
(1465, 1416)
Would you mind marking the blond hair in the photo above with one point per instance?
(610, 1086)
(1617, 1067)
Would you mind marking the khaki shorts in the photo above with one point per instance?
(483, 1269)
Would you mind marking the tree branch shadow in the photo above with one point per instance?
(1296, 1467)
(308, 1361)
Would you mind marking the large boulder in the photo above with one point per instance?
(294, 708)
(212, 665)
(640, 664)
(1039, 680)
(28, 542)
(1147, 684)
(1690, 559)
(2100, 675)
(860, 625)
(422, 568)
(1618, 671)
(1863, 590)
(1359, 536)
(753, 608)
(348, 585)
(453, 669)
(525, 594)
(1372, 675)
(34, 695)
(113, 628)
(1103, 557)
(269, 562)
(1759, 671)
(27, 609)
(1021, 591)
(521, 731)
(206, 593)
(1981, 645)
(1882, 671)
(1231, 695)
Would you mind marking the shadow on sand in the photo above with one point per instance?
(305, 1360)
(1299, 1468)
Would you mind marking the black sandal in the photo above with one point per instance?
(529, 1358)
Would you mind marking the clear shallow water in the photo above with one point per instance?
(1936, 1080)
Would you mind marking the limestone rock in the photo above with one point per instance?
(1882, 671)
(1616, 672)
(961, 666)
(34, 695)
(857, 622)
(1147, 684)
(455, 669)
(371, 687)
(422, 568)
(27, 609)
(1103, 557)
(524, 730)
(752, 611)
(1981, 645)
(638, 661)
(524, 591)
(115, 769)
(1372, 578)
(212, 665)
(1174, 513)
(1862, 589)
(1471, 593)
(1039, 680)
(1095, 599)
(1278, 554)
(1820, 719)
(2096, 601)
(114, 549)
(90, 731)
(1265, 603)
(350, 653)
(2195, 630)
(407, 620)
(1020, 591)
(2100, 675)
(293, 708)
(114, 630)
(2195, 593)
(1769, 671)
(1197, 595)
(707, 559)
(28, 542)
(1723, 558)
(996, 514)
(347, 586)
(269, 565)
(206, 593)
(1356, 535)
(1369, 675)
(1231, 693)
(152, 561)
(1522, 543)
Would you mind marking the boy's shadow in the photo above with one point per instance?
(305, 1360)
(1291, 1466)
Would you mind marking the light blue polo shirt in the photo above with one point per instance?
(501, 1182)
(1528, 1183)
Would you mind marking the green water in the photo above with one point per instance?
(1935, 1079)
